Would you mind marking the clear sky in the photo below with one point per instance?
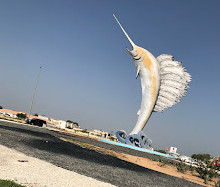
(89, 77)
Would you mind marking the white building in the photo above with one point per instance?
(173, 150)
(187, 159)
(101, 133)
(62, 124)
(9, 113)
(72, 125)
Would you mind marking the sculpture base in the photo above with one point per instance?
(135, 148)
(139, 140)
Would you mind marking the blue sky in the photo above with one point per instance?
(89, 77)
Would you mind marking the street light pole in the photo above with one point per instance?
(32, 101)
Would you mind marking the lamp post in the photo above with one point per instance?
(32, 101)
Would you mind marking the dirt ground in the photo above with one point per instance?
(167, 169)
(150, 164)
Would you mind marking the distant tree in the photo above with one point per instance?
(161, 151)
(202, 157)
(21, 115)
(75, 123)
(1, 107)
(35, 114)
(85, 131)
(69, 121)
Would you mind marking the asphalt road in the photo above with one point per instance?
(44, 144)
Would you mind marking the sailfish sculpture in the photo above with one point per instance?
(163, 81)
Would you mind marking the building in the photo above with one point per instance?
(173, 150)
(188, 159)
(185, 158)
(71, 125)
(61, 124)
(101, 133)
(53, 122)
(9, 113)
(43, 117)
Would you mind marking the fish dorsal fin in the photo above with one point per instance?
(174, 82)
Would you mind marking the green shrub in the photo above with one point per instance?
(161, 151)
(85, 131)
(21, 115)
(191, 169)
(9, 183)
(162, 164)
(206, 174)
(181, 167)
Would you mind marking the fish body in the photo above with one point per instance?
(148, 70)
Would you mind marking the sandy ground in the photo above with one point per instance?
(167, 169)
(147, 163)
(33, 172)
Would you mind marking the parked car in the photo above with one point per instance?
(37, 122)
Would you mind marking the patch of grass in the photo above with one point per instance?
(161, 151)
(9, 183)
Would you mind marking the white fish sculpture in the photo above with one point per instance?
(163, 81)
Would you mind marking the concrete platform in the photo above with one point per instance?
(135, 148)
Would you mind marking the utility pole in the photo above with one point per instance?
(32, 101)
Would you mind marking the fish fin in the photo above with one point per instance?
(174, 82)
(139, 112)
(138, 70)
